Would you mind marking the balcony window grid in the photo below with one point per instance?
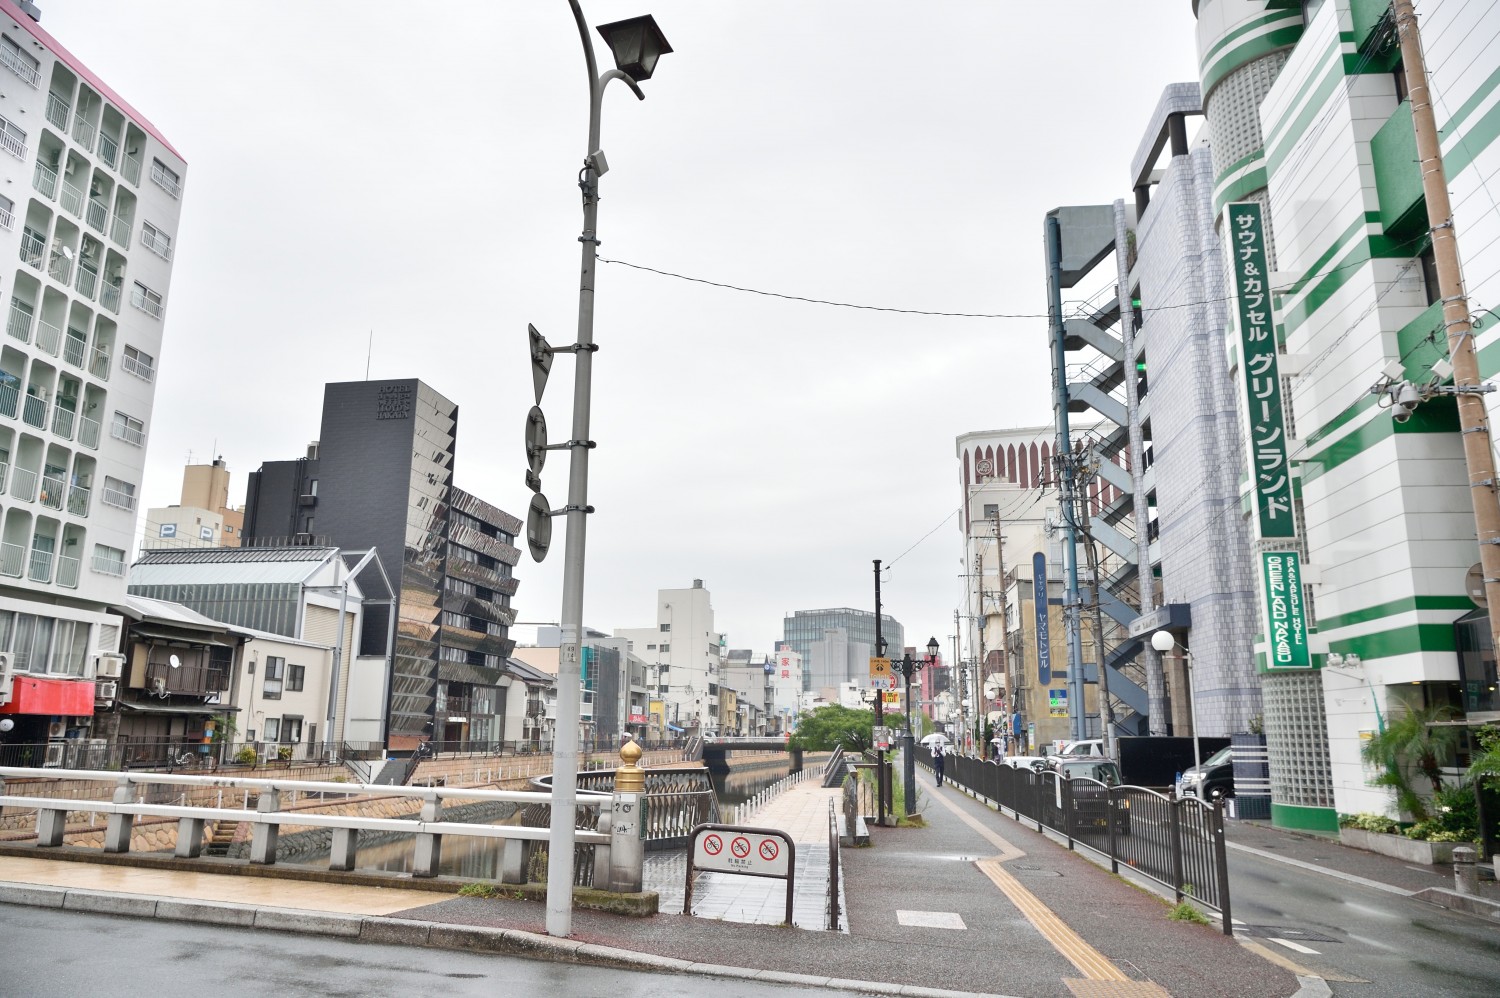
(128, 429)
(146, 300)
(88, 432)
(110, 296)
(48, 337)
(13, 139)
(22, 63)
(72, 199)
(10, 398)
(97, 215)
(76, 348)
(99, 364)
(23, 484)
(118, 494)
(88, 279)
(44, 179)
(33, 243)
(109, 149)
(4, 474)
(156, 241)
(34, 411)
(78, 500)
(67, 572)
(130, 169)
(18, 323)
(119, 231)
(63, 421)
(84, 131)
(12, 560)
(58, 111)
(166, 178)
(108, 560)
(41, 566)
(61, 267)
(142, 365)
(54, 492)
(7, 214)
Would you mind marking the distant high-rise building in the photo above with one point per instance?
(203, 518)
(381, 475)
(89, 212)
(685, 656)
(847, 659)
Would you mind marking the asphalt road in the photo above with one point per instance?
(47, 953)
(1386, 943)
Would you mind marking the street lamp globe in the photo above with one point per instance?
(932, 648)
(636, 43)
(1162, 641)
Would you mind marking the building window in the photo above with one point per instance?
(273, 729)
(19, 61)
(156, 240)
(119, 494)
(108, 560)
(7, 213)
(666, 647)
(296, 675)
(271, 690)
(228, 530)
(1428, 262)
(139, 363)
(128, 429)
(13, 139)
(291, 730)
(991, 510)
(146, 300)
(1402, 89)
(166, 178)
(666, 628)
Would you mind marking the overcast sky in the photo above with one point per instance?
(410, 169)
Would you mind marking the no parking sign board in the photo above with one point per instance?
(752, 852)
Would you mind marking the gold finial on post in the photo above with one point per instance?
(630, 778)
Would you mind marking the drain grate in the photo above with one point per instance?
(1044, 871)
(1285, 932)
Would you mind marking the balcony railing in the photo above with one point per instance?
(60, 267)
(137, 367)
(140, 300)
(119, 231)
(193, 680)
(23, 484)
(4, 474)
(131, 168)
(106, 565)
(88, 432)
(10, 397)
(34, 411)
(110, 296)
(96, 215)
(99, 365)
(12, 560)
(32, 247)
(88, 281)
(76, 349)
(7, 219)
(127, 433)
(54, 492)
(41, 566)
(48, 337)
(18, 323)
(63, 421)
(156, 243)
(67, 572)
(44, 179)
(58, 111)
(72, 200)
(13, 144)
(78, 500)
(18, 63)
(109, 149)
(84, 132)
(161, 178)
(117, 498)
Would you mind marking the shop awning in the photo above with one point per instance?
(169, 708)
(673, 727)
(151, 634)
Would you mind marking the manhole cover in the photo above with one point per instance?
(1286, 932)
(1036, 869)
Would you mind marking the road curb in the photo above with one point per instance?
(429, 935)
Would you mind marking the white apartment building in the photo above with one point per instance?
(89, 209)
(685, 655)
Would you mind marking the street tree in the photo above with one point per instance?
(832, 725)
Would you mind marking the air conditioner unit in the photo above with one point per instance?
(109, 665)
(106, 691)
(55, 754)
(56, 729)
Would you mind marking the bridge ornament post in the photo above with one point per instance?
(627, 829)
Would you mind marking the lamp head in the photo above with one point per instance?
(636, 43)
(932, 647)
(1162, 641)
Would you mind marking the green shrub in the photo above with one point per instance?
(1369, 822)
(284, 753)
(1453, 816)
(477, 890)
(245, 756)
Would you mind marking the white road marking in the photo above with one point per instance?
(931, 919)
(1295, 947)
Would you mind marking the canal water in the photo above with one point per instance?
(479, 859)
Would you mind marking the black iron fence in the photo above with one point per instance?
(1179, 843)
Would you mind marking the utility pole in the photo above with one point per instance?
(1106, 705)
(1004, 618)
(954, 673)
(978, 672)
(880, 798)
(1472, 417)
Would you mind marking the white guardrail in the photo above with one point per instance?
(126, 804)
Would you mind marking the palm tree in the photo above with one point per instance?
(1419, 740)
(1485, 768)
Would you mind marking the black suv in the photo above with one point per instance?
(1212, 780)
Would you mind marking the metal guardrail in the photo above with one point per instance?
(833, 869)
(1179, 843)
(130, 790)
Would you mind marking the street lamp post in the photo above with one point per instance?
(636, 44)
(1163, 641)
(909, 667)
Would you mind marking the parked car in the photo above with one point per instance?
(1035, 763)
(1212, 780)
(1091, 793)
(1088, 748)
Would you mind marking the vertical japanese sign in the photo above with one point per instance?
(1266, 437)
(1043, 632)
(1281, 572)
